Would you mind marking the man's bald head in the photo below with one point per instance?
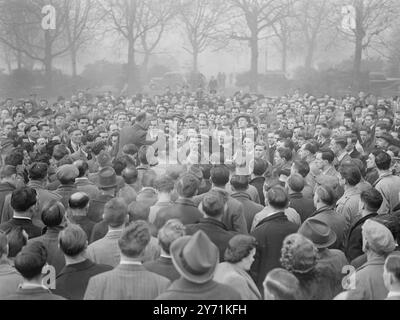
(78, 201)
(130, 175)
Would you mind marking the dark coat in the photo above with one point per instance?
(73, 279)
(355, 154)
(164, 267)
(5, 189)
(250, 208)
(335, 221)
(66, 191)
(182, 289)
(135, 134)
(99, 231)
(303, 206)
(55, 256)
(270, 233)
(96, 207)
(85, 223)
(27, 225)
(372, 175)
(216, 231)
(354, 240)
(258, 183)
(184, 209)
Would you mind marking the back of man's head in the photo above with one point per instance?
(277, 198)
(53, 213)
(302, 167)
(164, 184)
(115, 213)
(134, 239)
(372, 199)
(220, 175)
(138, 211)
(213, 204)
(23, 199)
(326, 195)
(383, 161)
(296, 182)
(350, 173)
(280, 284)
(392, 266)
(260, 167)
(78, 201)
(31, 260)
(240, 182)
(38, 171)
(187, 185)
(130, 175)
(72, 240)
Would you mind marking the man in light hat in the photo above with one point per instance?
(196, 258)
(378, 242)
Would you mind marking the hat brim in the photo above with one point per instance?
(108, 186)
(176, 251)
(331, 240)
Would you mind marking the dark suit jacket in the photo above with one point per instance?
(55, 256)
(5, 189)
(258, 183)
(85, 223)
(73, 279)
(133, 135)
(66, 191)
(303, 206)
(99, 231)
(182, 289)
(26, 224)
(270, 234)
(354, 240)
(164, 267)
(250, 208)
(216, 231)
(184, 209)
(96, 207)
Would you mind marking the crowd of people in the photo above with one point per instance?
(195, 195)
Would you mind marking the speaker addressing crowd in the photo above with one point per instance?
(189, 196)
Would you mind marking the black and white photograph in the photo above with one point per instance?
(196, 155)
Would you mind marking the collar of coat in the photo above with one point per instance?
(375, 261)
(326, 209)
(241, 195)
(81, 266)
(274, 216)
(213, 222)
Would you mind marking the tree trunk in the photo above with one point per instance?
(131, 68)
(359, 34)
(308, 64)
(48, 61)
(145, 68)
(195, 62)
(254, 62)
(284, 55)
(73, 62)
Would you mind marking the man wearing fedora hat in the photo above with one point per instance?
(108, 188)
(324, 237)
(196, 258)
(67, 174)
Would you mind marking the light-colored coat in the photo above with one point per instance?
(106, 250)
(229, 274)
(389, 186)
(126, 282)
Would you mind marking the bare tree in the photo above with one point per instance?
(38, 44)
(157, 14)
(373, 18)
(80, 27)
(311, 17)
(253, 19)
(201, 21)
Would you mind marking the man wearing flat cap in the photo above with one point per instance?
(378, 243)
(196, 259)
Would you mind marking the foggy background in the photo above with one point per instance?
(311, 45)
